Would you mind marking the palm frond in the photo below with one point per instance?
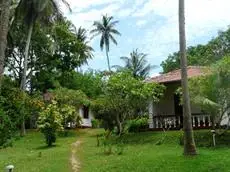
(137, 64)
(95, 35)
(67, 5)
(117, 67)
(115, 32)
(113, 39)
(112, 24)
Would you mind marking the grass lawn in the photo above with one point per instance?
(141, 154)
(30, 154)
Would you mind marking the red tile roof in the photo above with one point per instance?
(175, 75)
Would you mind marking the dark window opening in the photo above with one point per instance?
(85, 112)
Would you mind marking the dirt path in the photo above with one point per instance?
(73, 159)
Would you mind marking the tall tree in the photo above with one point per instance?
(201, 55)
(189, 143)
(31, 11)
(4, 25)
(106, 28)
(137, 64)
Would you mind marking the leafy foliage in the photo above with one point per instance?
(90, 82)
(136, 125)
(95, 123)
(70, 97)
(212, 91)
(201, 55)
(137, 64)
(124, 98)
(205, 139)
(50, 121)
(11, 108)
(7, 129)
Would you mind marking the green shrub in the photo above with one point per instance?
(119, 149)
(7, 130)
(204, 139)
(50, 121)
(137, 125)
(95, 123)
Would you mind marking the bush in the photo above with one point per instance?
(50, 121)
(204, 139)
(137, 125)
(7, 130)
(95, 123)
(110, 145)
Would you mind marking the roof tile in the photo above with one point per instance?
(175, 75)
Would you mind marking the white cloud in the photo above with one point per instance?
(160, 37)
(82, 5)
(202, 17)
(141, 23)
(87, 18)
(85, 12)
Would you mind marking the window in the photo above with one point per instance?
(85, 112)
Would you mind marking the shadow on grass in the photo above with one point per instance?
(67, 133)
(46, 147)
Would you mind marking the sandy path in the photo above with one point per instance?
(73, 159)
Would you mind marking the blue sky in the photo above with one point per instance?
(150, 25)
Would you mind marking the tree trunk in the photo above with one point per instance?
(4, 26)
(189, 144)
(23, 127)
(23, 81)
(119, 125)
(107, 55)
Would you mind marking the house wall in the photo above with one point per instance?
(86, 122)
(166, 105)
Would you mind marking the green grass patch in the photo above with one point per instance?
(142, 153)
(30, 154)
(134, 152)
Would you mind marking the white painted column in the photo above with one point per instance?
(193, 121)
(209, 121)
(151, 124)
(204, 121)
(174, 122)
(178, 120)
(198, 118)
(157, 123)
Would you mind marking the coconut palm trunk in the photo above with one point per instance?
(23, 81)
(189, 144)
(4, 26)
(108, 61)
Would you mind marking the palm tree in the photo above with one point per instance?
(31, 11)
(189, 144)
(106, 28)
(4, 26)
(81, 34)
(137, 64)
(85, 51)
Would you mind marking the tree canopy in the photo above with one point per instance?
(211, 91)
(137, 64)
(201, 55)
(125, 97)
